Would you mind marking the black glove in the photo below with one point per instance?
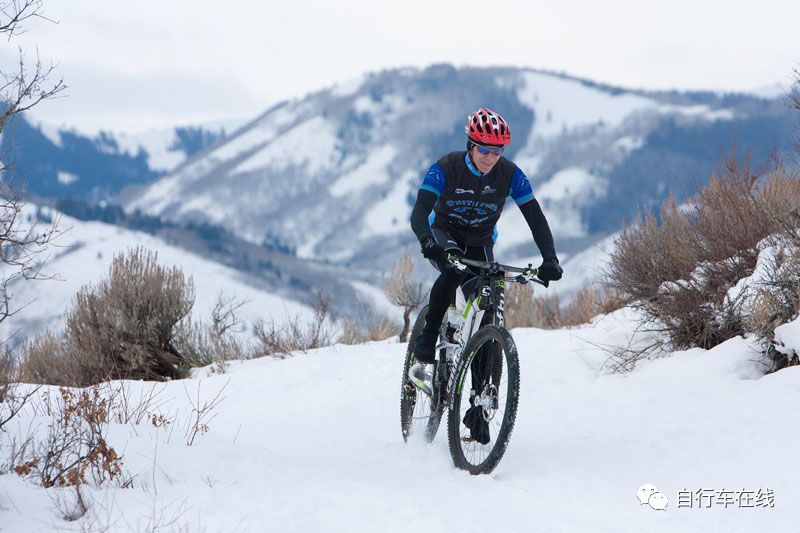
(433, 250)
(550, 270)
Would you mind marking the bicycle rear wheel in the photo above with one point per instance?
(483, 405)
(419, 413)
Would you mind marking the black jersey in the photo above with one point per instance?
(469, 203)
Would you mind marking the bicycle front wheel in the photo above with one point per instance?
(483, 405)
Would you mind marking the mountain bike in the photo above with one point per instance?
(476, 373)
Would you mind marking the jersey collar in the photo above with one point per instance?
(471, 167)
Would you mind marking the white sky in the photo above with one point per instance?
(137, 65)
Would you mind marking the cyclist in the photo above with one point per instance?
(467, 191)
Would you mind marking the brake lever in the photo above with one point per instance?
(454, 260)
(537, 279)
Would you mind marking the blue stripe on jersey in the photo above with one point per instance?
(434, 180)
(520, 190)
(429, 188)
(525, 199)
(471, 167)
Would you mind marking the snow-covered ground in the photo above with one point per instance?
(313, 443)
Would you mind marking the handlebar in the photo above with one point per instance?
(525, 274)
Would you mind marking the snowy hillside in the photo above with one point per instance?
(162, 155)
(313, 443)
(333, 174)
(56, 161)
(83, 254)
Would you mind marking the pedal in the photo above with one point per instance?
(418, 376)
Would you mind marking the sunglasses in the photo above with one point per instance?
(489, 150)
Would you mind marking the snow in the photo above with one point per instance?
(564, 195)
(787, 338)
(629, 143)
(377, 297)
(84, 256)
(49, 129)
(313, 443)
(529, 164)
(564, 104)
(312, 143)
(348, 87)
(390, 215)
(162, 192)
(365, 104)
(770, 91)
(700, 110)
(307, 249)
(372, 172)
(569, 183)
(156, 143)
(585, 266)
(262, 132)
(65, 178)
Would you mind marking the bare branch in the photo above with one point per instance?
(13, 13)
(23, 89)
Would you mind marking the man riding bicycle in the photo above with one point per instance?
(467, 191)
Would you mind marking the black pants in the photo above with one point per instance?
(443, 292)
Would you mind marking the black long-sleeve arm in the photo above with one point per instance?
(419, 214)
(540, 229)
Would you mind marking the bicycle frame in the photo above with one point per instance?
(489, 296)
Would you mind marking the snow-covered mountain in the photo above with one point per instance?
(333, 175)
(56, 161)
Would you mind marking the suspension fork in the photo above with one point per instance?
(498, 300)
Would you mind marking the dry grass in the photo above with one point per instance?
(280, 340)
(524, 309)
(368, 327)
(776, 301)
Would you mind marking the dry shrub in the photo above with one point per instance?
(45, 359)
(523, 309)
(402, 291)
(281, 339)
(8, 374)
(122, 328)
(381, 328)
(678, 270)
(75, 451)
(202, 413)
(215, 343)
(776, 301)
(648, 253)
(608, 300)
(583, 307)
(368, 327)
(12, 398)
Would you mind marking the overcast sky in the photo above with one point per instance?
(137, 65)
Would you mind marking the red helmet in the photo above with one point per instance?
(484, 126)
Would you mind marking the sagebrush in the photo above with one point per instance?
(679, 265)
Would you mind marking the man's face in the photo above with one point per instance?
(484, 162)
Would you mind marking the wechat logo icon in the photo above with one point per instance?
(650, 495)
